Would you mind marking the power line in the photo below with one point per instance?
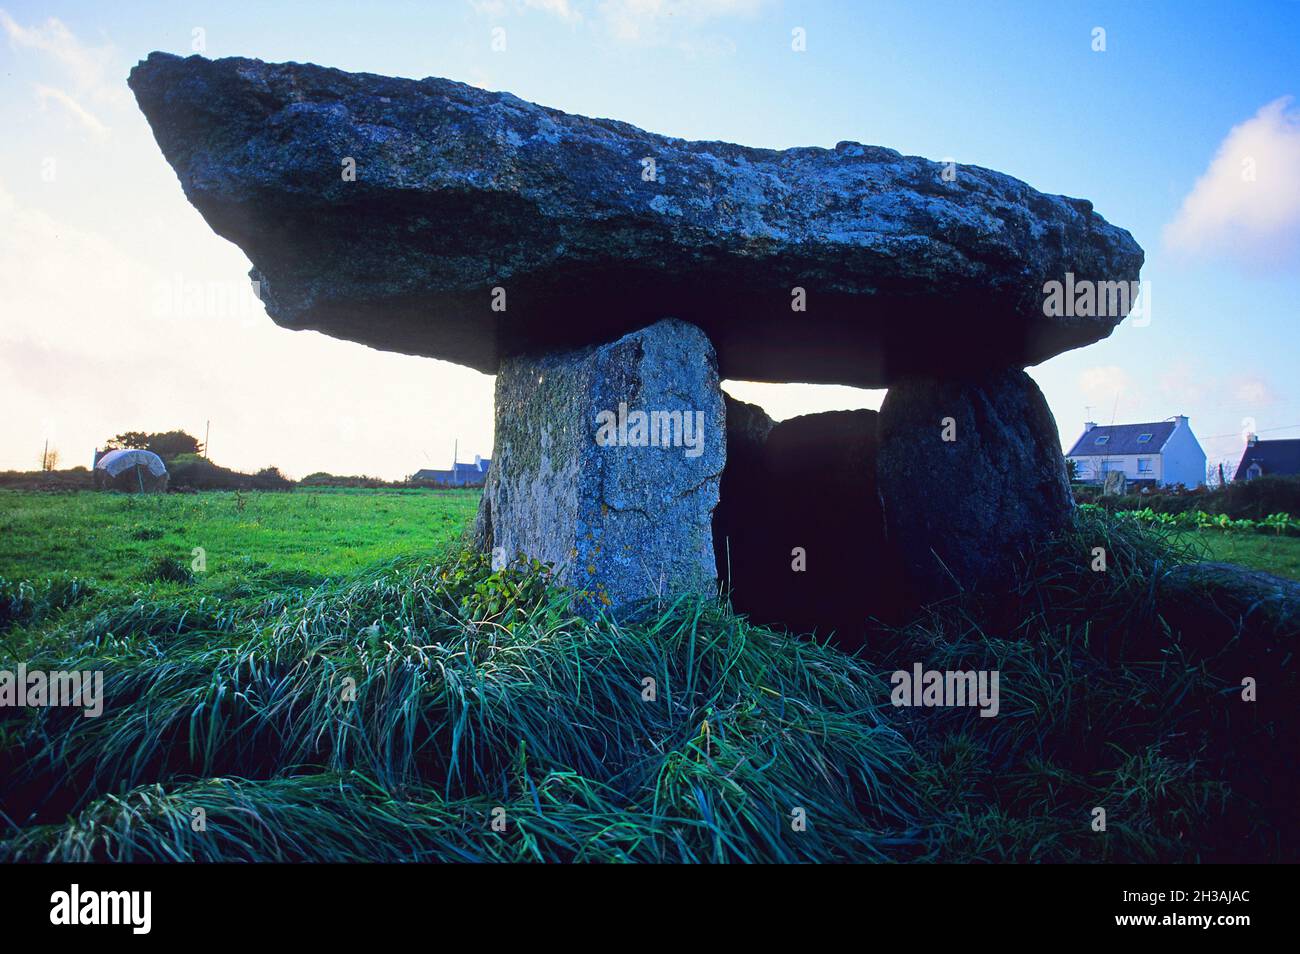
(1267, 430)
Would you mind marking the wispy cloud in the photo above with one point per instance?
(87, 119)
(1254, 391)
(655, 21)
(1247, 204)
(1110, 391)
(562, 9)
(84, 69)
(642, 22)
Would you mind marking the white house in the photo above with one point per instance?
(1160, 454)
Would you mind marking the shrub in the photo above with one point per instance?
(323, 479)
(190, 471)
(77, 478)
(270, 478)
(1239, 500)
(1256, 499)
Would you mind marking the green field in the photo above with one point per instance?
(1259, 551)
(310, 535)
(305, 536)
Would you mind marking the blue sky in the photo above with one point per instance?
(1017, 87)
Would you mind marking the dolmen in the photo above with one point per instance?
(611, 278)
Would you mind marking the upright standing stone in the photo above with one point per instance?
(971, 475)
(606, 464)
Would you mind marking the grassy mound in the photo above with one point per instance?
(397, 714)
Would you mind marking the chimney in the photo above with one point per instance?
(1180, 420)
(1088, 425)
(1252, 439)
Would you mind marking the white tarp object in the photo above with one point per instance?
(114, 462)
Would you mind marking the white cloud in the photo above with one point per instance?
(1110, 392)
(1183, 384)
(78, 112)
(561, 9)
(1247, 204)
(1104, 380)
(645, 22)
(1254, 391)
(653, 21)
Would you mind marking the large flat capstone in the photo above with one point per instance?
(606, 464)
(434, 218)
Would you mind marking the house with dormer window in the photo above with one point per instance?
(1159, 454)
(461, 474)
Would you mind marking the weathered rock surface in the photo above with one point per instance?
(459, 191)
(961, 511)
(801, 522)
(624, 514)
(1257, 612)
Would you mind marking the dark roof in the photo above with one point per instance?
(464, 473)
(1273, 457)
(1122, 439)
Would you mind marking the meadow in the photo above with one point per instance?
(1272, 554)
(343, 682)
(305, 536)
(311, 535)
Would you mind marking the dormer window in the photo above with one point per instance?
(1144, 438)
(1103, 439)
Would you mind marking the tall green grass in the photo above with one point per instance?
(392, 715)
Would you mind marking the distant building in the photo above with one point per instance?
(1268, 457)
(1160, 454)
(461, 474)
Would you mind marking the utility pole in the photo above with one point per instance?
(455, 455)
(45, 455)
(207, 433)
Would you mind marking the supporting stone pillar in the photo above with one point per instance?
(606, 464)
(971, 475)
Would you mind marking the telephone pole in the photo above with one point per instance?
(207, 433)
